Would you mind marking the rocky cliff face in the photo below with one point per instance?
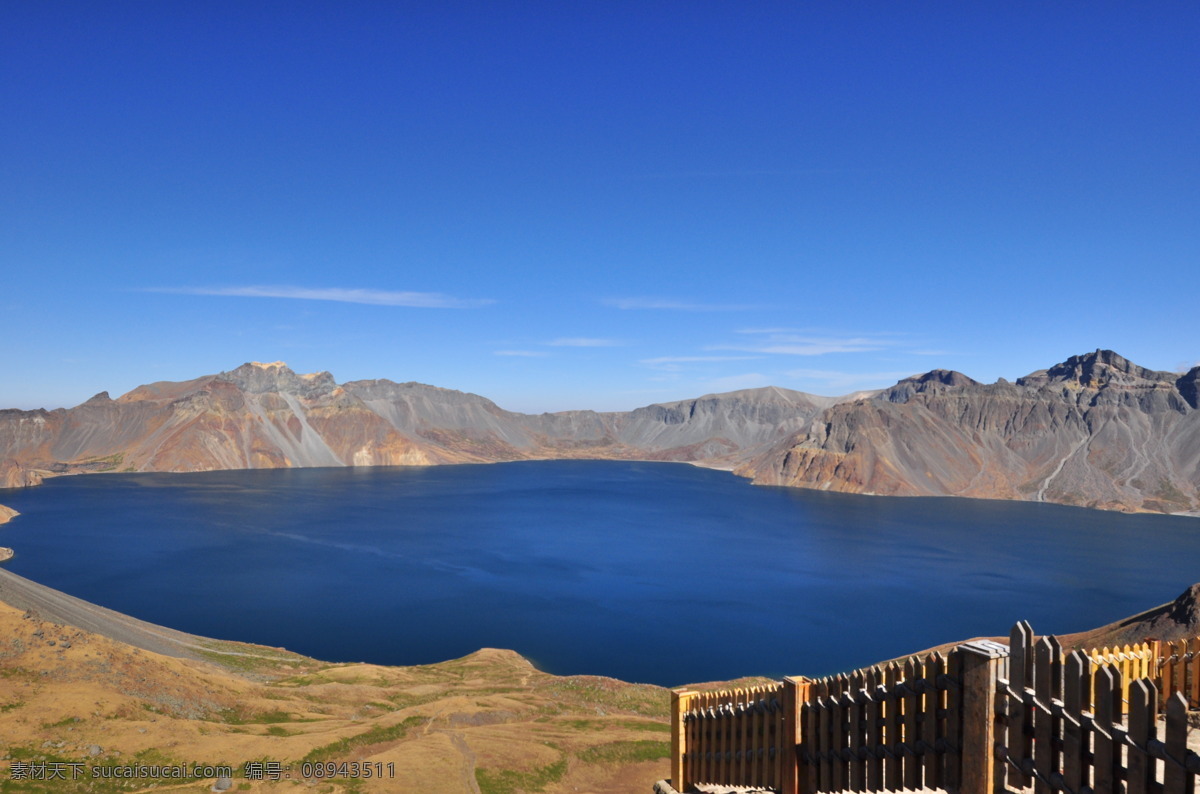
(1095, 430)
(267, 416)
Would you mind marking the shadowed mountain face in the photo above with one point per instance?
(1095, 430)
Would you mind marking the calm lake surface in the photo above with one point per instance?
(652, 572)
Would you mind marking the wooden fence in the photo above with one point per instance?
(1133, 662)
(1179, 669)
(732, 737)
(1069, 729)
(884, 727)
(983, 719)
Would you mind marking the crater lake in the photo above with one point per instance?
(649, 572)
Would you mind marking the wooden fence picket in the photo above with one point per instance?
(1077, 692)
(1020, 669)
(1043, 740)
(876, 735)
(931, 701)
(1105, 750)
(894, 728)
(1177, 779)
(1140, 766)
(952, 778)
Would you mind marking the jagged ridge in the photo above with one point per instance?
(1095, 430)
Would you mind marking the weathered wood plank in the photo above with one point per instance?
(1140, 774)
(875, 734)
(894, 766)
(811, 744)
(825, 763)
(837, 724)
(912, 707)
(981, 666)
(952, 779)
(930, 702)
(1075, 697)
(1194, 694)
(1019, 677)
(794, 691)
(852, 705)
(1104, 750)
(1177, 780)
(1042, 725)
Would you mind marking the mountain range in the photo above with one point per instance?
(1096, 431)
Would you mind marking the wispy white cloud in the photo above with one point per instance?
(801, 345)
(688, 359)
(522, 353)
(680, 363)
(585, 342)
(373, 297)
(849, 380)
(672, 304)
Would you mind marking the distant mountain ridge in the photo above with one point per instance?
(1095, 430)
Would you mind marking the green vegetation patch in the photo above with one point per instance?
(107, 462)
(610, 695)
(249, 659)
(632, 725)
(377, 735)
(626, 752)
(19, 672)
(238, 716)
(1168, 492)
(510, 781)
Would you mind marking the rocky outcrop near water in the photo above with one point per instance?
(1095, 430)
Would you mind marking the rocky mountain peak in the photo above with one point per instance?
(905, 389)
(1103, 368)
(255, 377)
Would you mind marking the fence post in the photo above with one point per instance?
(681, 702)
(982, 662)
(795, 692)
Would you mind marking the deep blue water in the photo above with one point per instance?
(661, 573)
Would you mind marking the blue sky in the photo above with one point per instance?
(593, 205)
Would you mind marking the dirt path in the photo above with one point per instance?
(460, 744)
(53, 605)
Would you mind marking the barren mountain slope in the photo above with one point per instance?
(1096, 431)
(267, 416)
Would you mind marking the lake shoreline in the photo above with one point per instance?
(612, 557)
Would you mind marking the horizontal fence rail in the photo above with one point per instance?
(1179, 669)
